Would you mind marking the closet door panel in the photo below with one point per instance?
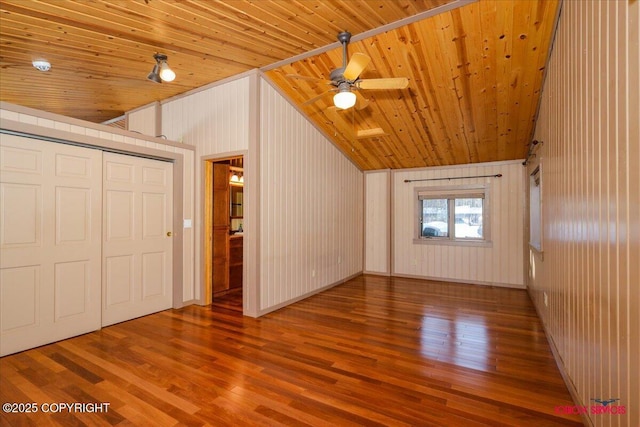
(137, 247)
(50, 240)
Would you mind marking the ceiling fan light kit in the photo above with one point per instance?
(161, 71)
(344, 99)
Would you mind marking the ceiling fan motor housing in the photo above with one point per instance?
(337, 76)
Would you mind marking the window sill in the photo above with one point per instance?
(453, 242)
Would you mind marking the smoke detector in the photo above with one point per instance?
(42, 65)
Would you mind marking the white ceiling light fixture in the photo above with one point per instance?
(166, 73)
(237, 175)
(42, 65)
(161, 71)
(344, 99)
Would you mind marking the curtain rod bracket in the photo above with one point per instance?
(530, 152)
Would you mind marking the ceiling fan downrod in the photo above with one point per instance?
(344, 38)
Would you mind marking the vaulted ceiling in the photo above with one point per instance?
(475, 68)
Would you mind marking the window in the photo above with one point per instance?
(535, 210)
(453, 215)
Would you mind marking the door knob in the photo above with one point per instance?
(169, 234)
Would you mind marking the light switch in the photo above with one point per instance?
(187, 223)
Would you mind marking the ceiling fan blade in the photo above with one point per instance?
(388, 83)
(342, 124)
(361, 101)
(356, 64)
(311, 79)
(315, 98)
(339, 122)
(369, 133)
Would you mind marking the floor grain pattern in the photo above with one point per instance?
(375, 351)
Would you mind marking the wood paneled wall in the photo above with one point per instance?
(501, 264)
(309, 233)
(377, 236)
(46, 121)
(589, 124)
(310, 206)
(215, 120)
(145, 120)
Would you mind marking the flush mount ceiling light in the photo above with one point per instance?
(161, 71)
(42, 65)
(344, 98)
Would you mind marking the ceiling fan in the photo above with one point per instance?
(346, 80)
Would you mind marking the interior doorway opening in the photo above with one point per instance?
(224, 233)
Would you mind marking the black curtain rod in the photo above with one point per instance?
(454, 177)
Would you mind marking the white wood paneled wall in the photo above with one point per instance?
(144, 120)
(377, 235)
(215, 120)
(311, 206)
(589, 271)
(501, 264)
(46, 121)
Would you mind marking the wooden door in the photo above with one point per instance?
(50, 240)
(220, 231)
(137, 246)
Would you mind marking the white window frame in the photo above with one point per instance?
(451, 193)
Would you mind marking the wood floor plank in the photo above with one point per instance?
(375, 351)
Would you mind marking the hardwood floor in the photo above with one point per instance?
(229, 301)
(373, 351)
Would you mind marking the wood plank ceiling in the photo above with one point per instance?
(475, 69)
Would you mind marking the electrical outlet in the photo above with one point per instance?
(546, 299)
(339, 259)
(313, 273)
(414, 262)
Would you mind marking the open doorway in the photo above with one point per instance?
(224, 233)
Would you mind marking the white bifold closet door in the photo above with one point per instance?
(50, 241)
(137, 242)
